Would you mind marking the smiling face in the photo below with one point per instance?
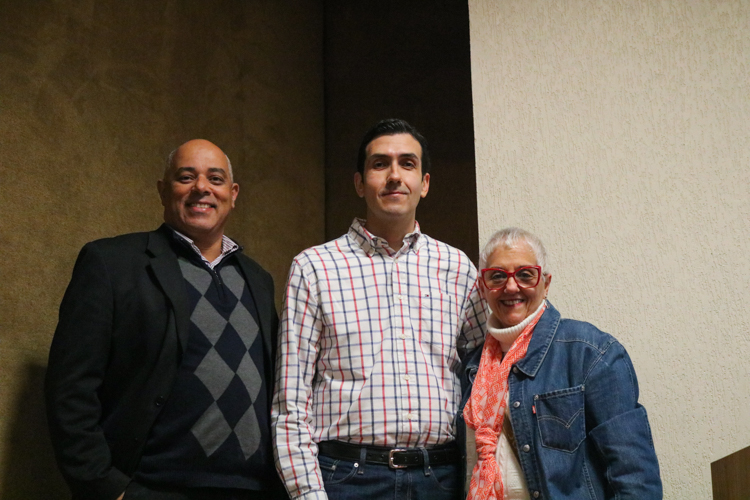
(197, 192)
(510, 305)
(392, 183)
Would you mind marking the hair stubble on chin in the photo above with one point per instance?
(170, 161)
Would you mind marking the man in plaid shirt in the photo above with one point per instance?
(373, 325)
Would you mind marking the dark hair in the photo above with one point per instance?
(391, 126)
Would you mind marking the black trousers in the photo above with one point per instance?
(140, 491)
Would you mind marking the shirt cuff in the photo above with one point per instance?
(313, 495)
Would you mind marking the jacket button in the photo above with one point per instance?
(516, 404)
(536, 494)
(160, 401)
(515, 369)
(526, 448)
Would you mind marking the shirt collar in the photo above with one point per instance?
(228, 246)
(371, 243)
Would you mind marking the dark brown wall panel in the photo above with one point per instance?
(729, 476)
(406, 59)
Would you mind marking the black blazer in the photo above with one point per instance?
(122, 329)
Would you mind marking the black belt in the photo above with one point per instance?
(395, 458)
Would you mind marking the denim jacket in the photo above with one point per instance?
(580, 431)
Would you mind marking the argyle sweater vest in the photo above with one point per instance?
(214, 428)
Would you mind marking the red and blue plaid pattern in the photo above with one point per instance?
(369, 348)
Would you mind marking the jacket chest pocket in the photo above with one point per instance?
(560, 416)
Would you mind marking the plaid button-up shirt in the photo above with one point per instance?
(369, 348)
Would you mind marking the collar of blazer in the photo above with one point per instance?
(163, 263)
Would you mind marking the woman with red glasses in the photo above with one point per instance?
(553, 402)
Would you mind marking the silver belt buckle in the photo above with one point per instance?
(390, 459)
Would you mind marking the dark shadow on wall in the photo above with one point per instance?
(30, 471)
(402, 59)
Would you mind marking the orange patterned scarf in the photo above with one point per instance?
(485, 409)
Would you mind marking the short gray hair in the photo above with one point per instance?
(509, 238)
(170, 159)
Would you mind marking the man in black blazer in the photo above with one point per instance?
(160, 373)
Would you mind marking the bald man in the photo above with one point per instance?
(160, 371)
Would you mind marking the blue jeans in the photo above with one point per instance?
(345, 480)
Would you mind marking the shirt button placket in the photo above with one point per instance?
(399, 333)
(405, 385)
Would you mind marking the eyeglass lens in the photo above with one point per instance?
(526, 277)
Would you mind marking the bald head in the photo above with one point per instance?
(194, 142)
(198, 192)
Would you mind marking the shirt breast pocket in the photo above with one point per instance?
(437, 317)
(560, 416)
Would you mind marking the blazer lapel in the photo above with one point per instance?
(167, 272)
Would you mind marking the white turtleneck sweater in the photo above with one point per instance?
(512, 474)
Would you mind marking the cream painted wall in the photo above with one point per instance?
(619, 131)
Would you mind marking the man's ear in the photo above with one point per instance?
(160, 187)
(359, 185)
(425, 185)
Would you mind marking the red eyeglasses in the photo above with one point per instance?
(495, 278)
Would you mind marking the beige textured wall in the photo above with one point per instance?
(619, 131)
(93, 95)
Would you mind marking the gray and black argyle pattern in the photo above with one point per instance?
(227, 359)
(213, 418)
